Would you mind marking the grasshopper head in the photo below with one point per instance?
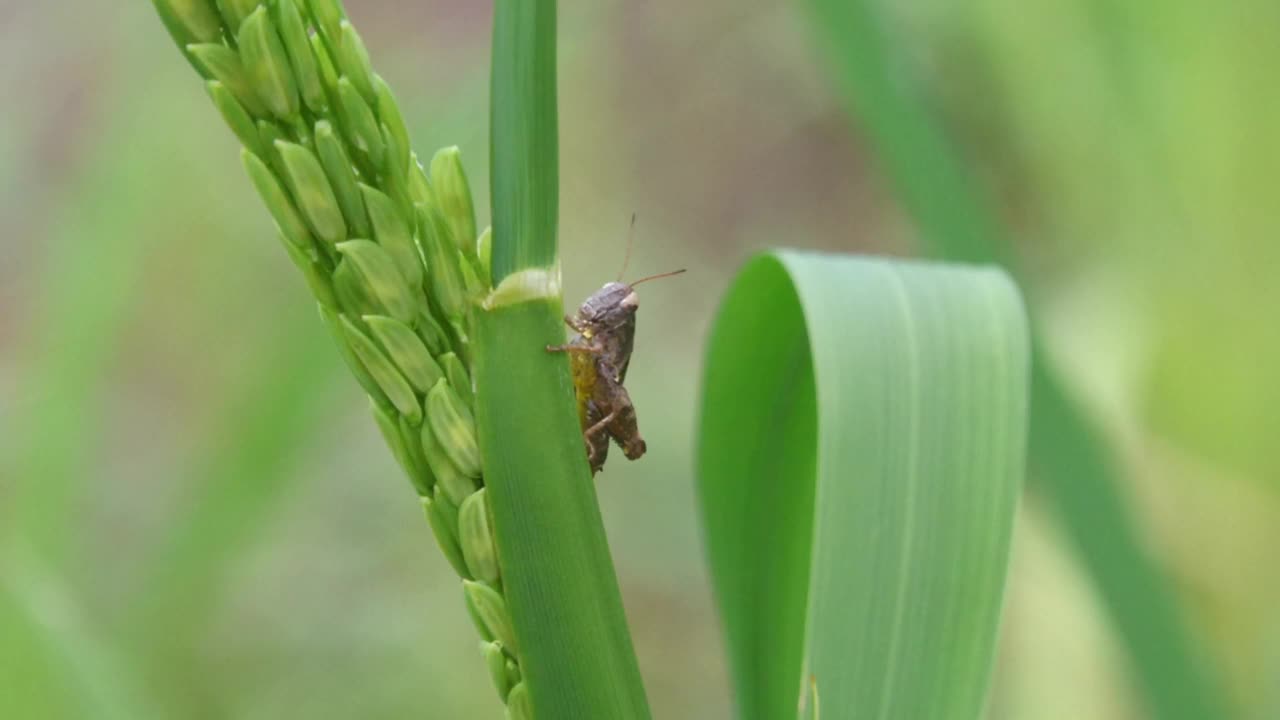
(613, 306)
(610, 304)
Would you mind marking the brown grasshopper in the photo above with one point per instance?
(599, 356)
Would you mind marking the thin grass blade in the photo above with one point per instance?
(524, 140)
(558, 579)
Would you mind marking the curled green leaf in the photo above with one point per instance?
(892, 398)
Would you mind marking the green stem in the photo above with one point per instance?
(524, 164)
(557, 575)
(558, 579)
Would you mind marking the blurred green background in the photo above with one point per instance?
(198, 519)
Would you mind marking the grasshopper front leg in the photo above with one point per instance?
(572, 348)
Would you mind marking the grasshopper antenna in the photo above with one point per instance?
(659, 276)
(631, 236)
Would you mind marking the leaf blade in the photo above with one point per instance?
(523, 138)
(914, 468)
(1073, 463)
(558, 578)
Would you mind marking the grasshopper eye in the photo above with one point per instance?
(630, 301)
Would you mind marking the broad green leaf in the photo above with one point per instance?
(862, 447)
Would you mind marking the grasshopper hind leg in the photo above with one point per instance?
(623, 427)
(597, 442)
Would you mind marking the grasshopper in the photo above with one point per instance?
(600, 353)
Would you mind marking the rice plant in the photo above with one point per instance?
(388, 247)
(863, 425)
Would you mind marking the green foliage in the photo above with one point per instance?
(523, 137)
(861, 453)
(557, 574)
(1071, 462)
(400, 305)
(354, 173)
(179, 446)
(556, 571)
(244, 478)
(86, 294)
(39, 654)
